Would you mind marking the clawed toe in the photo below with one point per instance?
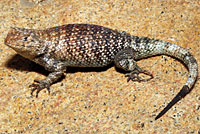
(38, 81)
(134, 76)
(41, 84)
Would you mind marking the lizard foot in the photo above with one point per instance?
(41, 84)
(134, 76)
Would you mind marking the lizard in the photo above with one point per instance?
(88, 45)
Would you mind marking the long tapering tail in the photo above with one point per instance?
(149, 47)
(184, 56)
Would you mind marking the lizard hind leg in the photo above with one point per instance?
(134, 75)
(125, 60)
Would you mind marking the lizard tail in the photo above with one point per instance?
(184, 91)
(191, 63)
(147, 47)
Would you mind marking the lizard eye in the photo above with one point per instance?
(25, 38)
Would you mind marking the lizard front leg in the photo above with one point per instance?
(125, 60)
(46, 83)
(57, 69)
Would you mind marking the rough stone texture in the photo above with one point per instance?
(100, 100)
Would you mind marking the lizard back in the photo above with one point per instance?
(84, 45)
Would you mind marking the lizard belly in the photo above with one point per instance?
(94, 56)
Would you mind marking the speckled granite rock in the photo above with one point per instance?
(100, 100)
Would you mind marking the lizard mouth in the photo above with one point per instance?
(11, 37)
(8, 38)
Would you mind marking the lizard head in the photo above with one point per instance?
(25, 42)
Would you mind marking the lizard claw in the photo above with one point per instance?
(134, 76)
(41, 84)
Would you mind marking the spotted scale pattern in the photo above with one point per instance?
(85, 45)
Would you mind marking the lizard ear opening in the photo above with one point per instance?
(25, 38)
